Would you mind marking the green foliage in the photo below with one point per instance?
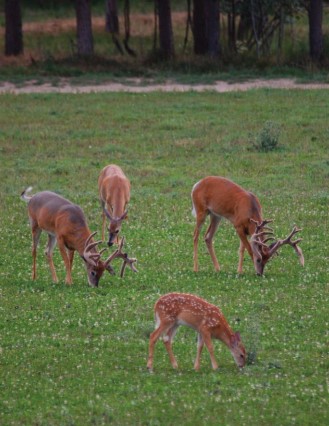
(77, 355)
(267, 139)
(50, 46)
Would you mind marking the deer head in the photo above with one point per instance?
(115, 225)
(262, 252)
(96, 267)
(238, 350)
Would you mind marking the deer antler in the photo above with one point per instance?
(262, 225)
(261, 231)
(257, 237)
(288, 240)
(89, 256)
(124, 256)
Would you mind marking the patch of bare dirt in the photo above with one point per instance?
(145, 86)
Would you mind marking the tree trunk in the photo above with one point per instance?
(13, 32)
(231, 18)
(212, 26)
(245, 23)
(85, 42)
(315, 13)
(112, 19)
(199, 28)
(166, 36)
(206, 27)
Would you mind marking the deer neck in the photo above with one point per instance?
(117, 200)
(225, 334)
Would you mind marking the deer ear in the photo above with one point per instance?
(234, 340)
(107, 214)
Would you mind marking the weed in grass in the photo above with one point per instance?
(267, 139)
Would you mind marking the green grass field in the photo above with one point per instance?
(77, 355)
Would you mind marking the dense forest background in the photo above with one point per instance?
(235, 32)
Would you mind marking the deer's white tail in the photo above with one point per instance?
(24, 195)
(193, 207)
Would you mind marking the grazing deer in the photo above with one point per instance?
(114, 195)
(65, 223)
(219, 197)
(175, 309)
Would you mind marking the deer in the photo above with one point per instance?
(114, 195)
(175, 309)
(66, 225)
(218, 197)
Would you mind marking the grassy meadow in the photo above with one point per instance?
(77, 355)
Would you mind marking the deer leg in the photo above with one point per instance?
(241, 257)
(207, 340)
(71, 258)
(199, 222)
(49, 254)
(214, 222)
(244, 244)
(36, 232)
(153, 339)
(103, 225)
(103, 218)
(167, 340)
(66, 259)
(198, 354)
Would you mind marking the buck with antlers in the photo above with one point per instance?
(219, 197)
(175, 309)
(114, 195)
(65, 223)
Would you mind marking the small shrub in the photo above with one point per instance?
(267, 139)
